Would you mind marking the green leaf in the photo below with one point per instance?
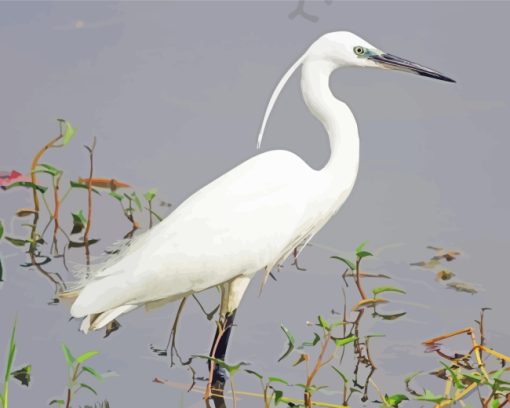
(67, 354)
(278, 380)
(48, 169)
(342, 375)
(58, 402)
(382, 289)
(260, 377)
(90, 370)
(474, 377)
(277, 396)
(349, 263)
(79, 222)
(23, 375)
(394, 400)
(117, 196)
(88, 387)
(457, 383)
(291, 342)
(363, 254)
(68, 134)
(75, 184)
(135, 198)
(360, 247)
(429, 396)
(342, 341)
(12, 352)
(312, 343)
(73, 244)
(17, 241)
(27, 184)
(85, 356)
(1, 229)
(149, 195)
(495, 403)
(323, 323)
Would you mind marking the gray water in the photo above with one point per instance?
(175, 94)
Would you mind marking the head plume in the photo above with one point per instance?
(275, 95)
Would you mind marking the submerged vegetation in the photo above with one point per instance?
(334, 361)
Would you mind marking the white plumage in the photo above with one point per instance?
(250, 218)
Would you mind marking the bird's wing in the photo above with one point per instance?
(235, 225)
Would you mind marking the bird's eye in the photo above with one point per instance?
(358, 50)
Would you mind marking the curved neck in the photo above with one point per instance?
(335, 116)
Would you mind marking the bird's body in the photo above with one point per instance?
(250, 218)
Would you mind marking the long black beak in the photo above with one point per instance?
(393, 62)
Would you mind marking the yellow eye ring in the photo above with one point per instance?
(359, 50)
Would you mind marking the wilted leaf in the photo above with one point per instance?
(342, 341)
(382, 289)
(23, 375)
(25, 212)
(462, 287)
(444, 275)
(69, 133)
(290, 344)
(102, 182)
(427, 264)
(1, 271)
(302, 357)
(368, 303)
(349, 263)
(6, 178)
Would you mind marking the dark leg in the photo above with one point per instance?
(220, 374)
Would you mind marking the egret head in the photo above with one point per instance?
(345, 49)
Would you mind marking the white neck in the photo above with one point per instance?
(336, 118)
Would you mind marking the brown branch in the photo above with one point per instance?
(358, 280)
(89, 201)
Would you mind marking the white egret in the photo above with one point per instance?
(251, 218)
